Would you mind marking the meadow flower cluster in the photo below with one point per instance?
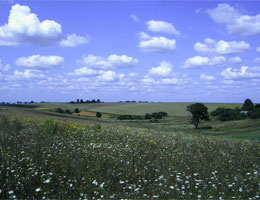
(52, 159)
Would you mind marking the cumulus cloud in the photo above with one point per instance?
(84, 71)
(161, 27)
(163, 70)
(243, 73)
(235, 60)
(236, 22)
(109, 76)
(207, 77)
(134, 17)
(28, 74)
(221, 47)
(40, 62)
(258, 49)
(25, 27)
(74, 40)
(4, 68)
(199, 61)
(112, 61)
(158, 44)
(144, 36)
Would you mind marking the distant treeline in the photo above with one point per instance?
(154, 116)
(127, 101)
(87, 101)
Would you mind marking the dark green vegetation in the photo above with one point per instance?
(71, 160)
(199, 112)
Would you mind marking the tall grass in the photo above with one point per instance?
(54, 159)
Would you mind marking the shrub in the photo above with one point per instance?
(59, 110)
(217, 112)
(257, 105)
(254, 114)
(147, 116)
(248, 105)
(68, 112)
(76, 110)
(231, 114)
(98, 115)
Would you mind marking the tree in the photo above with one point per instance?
(77, 100)
(248, 105)
(199, 112)
(81, 101)
(76, 110)
(98, 115)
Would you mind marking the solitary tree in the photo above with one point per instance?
(248, 105)
(199, 112)
(76, 110)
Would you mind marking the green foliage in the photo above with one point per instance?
(59, 110)
(218, 111)
(147, 116)
(98, 115)
(129, 117)
(76, 110)
(254, 114)
(50, 126)
(248, 105)
(257, 105)
(67, 111)
(231, 114)
(199, 112)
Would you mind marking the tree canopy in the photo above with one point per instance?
(199, 112)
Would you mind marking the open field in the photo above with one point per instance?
(178, 120)
(173, 109)
(50, 159)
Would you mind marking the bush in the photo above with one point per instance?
(76, 110)
(248, 105)
(68, 112)
(156, 115)
(254, 114)
(231, 114)
(257, 105)
(217, 112)
(59, 110)
(98, 115)
(147, 116)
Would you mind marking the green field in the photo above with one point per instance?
(79, 157)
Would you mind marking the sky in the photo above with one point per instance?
(169, 51)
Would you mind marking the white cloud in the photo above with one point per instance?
(199, 61)
(221, 47)
(27, 74)
(236, 22)
(257, 60)
(258, 49)
(112, 61)
(144, 36)
(163, 70)
(134, 17)
(84, 71)
(4, 68)
(74, 40)
(25, 27)
(158, 44)
(109, 76)
(41, 62)
(243, 73)
(207, 77)
(235, 60)
(161, 27)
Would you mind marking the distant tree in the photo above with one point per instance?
(76, 110)
(81, 101)
(77, 100)
(199, 112)
(257, 105)
(147, 116)
(67, 112)
(59, 110)
(248, 105)
(98, 115)
(98, 100)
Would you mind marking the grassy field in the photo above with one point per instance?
(173, 109)
(53, 159)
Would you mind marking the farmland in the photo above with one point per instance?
(49, 155)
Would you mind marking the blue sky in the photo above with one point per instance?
(207, 51)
